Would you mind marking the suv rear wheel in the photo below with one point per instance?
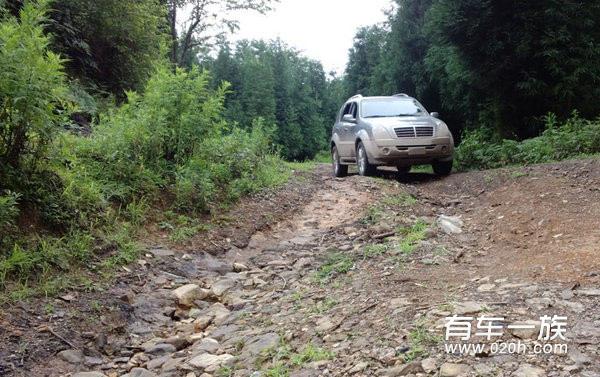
(364, 167)
(339, 170)
(442, 168)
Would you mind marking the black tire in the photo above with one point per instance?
(339, 170)
(442, 168)
(403, 169)
(365, 168)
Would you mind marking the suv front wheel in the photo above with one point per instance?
(364, 167)
(339, 170)
(442, 168)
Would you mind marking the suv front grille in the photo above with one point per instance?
(420, 131)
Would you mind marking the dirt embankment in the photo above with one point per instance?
(338, 277)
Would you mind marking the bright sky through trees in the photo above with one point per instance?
(323, 29)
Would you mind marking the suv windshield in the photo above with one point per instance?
(388, 108)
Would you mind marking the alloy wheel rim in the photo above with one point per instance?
(335, 161)
(361, 160)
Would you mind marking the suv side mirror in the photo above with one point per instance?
(435, 114)
(348, 118)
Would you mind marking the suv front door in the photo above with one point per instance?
(346, 133)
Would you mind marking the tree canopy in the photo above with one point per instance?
(498, 63)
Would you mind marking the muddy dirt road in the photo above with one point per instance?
(349, 277)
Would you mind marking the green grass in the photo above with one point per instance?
(412, 236)
(336, 264)
(324, 306)
(403, 199)
(376, 250)
(576, 137)
(374, 215)
(281, 361)
(419, 339)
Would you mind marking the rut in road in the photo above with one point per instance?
(361, 279)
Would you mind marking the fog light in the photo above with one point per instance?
(444, 149)
(386, 151)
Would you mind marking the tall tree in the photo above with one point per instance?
(198, 24)
(364, 57)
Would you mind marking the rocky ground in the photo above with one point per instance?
(346, 277)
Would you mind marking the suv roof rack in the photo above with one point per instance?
(401, 95)
(356, 96)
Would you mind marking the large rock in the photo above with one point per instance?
(71, 356)
(187, 294)
(527, 370)
(450, 224)
(526, 333)
(222, 286)
(404, 370)
(262, 342)
(468, 307)
(454, 370)
(210, 363)
(160, 349)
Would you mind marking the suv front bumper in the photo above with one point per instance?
(410, 152)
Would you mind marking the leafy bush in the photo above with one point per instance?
(88, 196)
(136, 149)
(225, 168)
(482, 149)
(31, 85)
(8, 211)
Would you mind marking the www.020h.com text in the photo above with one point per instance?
(506, 348)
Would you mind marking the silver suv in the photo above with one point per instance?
(389, 131)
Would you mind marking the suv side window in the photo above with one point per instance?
(354, 110)
(347, 109)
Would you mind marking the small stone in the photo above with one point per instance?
(450, 224)
(588, 292)
(71, 356)
(239, 267)
(160, 349)
(404, 370)
(325, 324)
(486, 287)
(202, 322)
(262, 343)
(526, 333)
(359, 367)
(222, 286)
(429, 365)
(206, 345)
(89, 374)
(139, 372)
(527, 370)
(178, 342)
(578, 357)
(210, 363)
(187, 294)
(454, 370)
(468, 307)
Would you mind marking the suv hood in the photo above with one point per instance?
(391, 123)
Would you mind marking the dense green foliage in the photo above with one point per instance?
(494, 63)
(28, 92)
(110, 44)
(276, 83)
(482, 149)
(66, 199)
